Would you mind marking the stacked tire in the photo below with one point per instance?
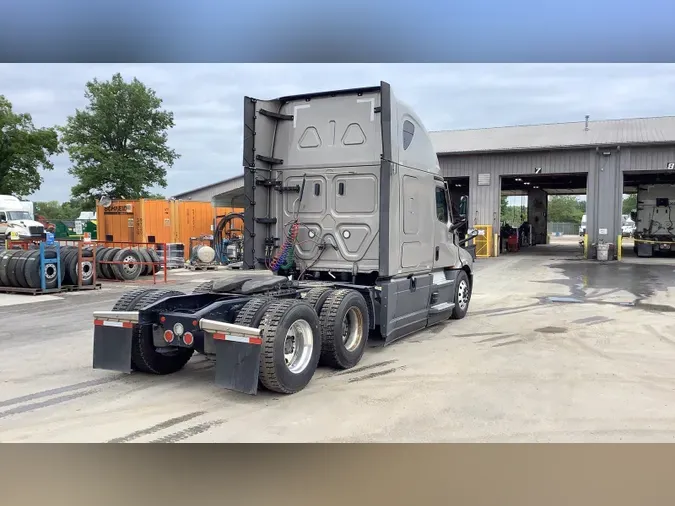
(129, 263)
(20, 268)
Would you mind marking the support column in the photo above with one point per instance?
(537, 212)
(484, 200)
(604, 198)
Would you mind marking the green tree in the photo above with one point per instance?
(118, 143)
(53, 210)
(24, 149)
(565, 209)
(629, 203)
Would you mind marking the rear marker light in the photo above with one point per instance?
(162, 319)
(188, 338)
(168, 336)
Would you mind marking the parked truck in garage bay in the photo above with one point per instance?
(654, 220)
(348, 233)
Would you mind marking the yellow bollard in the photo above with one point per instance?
(586, 246)
(619, 246)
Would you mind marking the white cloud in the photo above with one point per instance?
(207, 100)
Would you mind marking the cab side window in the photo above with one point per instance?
(3, 217)
(441, 205)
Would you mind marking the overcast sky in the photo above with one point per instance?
(207, 100)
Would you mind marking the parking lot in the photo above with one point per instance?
(554, 348)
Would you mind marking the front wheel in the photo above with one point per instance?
(462, 296)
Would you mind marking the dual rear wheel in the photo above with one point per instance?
(328, 327)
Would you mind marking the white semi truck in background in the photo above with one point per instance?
(18, 216)
(654, 220)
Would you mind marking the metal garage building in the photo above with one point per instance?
(602, 159)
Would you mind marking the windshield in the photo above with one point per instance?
(18, 215)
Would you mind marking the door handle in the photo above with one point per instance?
(437, 252)
(413, 283)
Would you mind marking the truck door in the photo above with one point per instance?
(445, 250)
(446, 254)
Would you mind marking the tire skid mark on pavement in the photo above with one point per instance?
(357, 370)
(157, 427)
(376, 374)
(59, 390)
(49, 402)
(189, 432)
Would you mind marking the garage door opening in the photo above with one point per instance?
(648, 214)
(543, 214)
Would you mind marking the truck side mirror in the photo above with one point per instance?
(471, 233)
(457, 225)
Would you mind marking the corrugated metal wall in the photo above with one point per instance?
(652, 158)
(484, 200)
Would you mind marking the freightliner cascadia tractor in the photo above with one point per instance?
(348, 234)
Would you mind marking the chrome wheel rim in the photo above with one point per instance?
(298, 346)
(352, 329)
(130, 268)
(463, 294)
(87, 270)
(50, 271)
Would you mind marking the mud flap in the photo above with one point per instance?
(237, 350)
(112, 346)
(237, 365)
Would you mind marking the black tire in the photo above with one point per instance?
(99, 256)
(31, 269)
(204, 287)
(66, 264)
(155, 258)
(127, 272)
(462, 284)
(129, 298)
(144, 355)
(106, 269)
(275, 374)
(4, 269)
(19, 262)
(344, 329)
(253, 311)
(316, 297)
(146, 268)
(87, 267)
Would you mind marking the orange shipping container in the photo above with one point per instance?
(159, 221)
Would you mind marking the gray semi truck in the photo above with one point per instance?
(348, 233)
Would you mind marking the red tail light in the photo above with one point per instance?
(188, 338)
(168, 336)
